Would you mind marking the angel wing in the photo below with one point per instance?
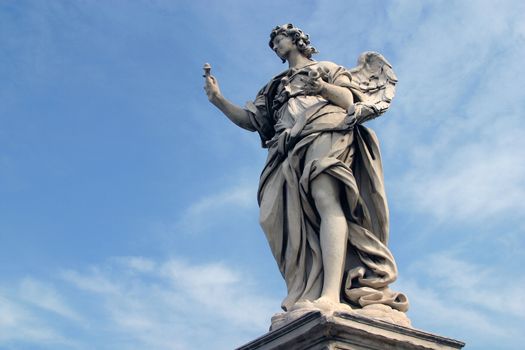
(374, 84)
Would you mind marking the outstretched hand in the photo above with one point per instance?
(211, 85)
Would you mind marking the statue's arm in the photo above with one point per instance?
(338, 95)
(239, 116)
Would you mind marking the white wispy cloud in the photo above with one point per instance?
(208, 284)
(478, 303)
(238, 197)
(208, 210)
(475, 183)
(482, 286)
(136, 263)
(20, 324)
(95, 282)
(174, 304)
(46, 297)
(433, 312)
(137, 302)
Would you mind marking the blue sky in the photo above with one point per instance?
(128, 214)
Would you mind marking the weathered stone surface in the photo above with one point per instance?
(347, 331)
(321, 194)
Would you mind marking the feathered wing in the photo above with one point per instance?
(374, 84)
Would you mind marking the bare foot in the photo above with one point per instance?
(302, 304)
(325, 303)
(328, 304)
(385, 313)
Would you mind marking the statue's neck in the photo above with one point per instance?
(297, 60)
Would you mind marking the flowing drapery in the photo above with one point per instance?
(307, 136)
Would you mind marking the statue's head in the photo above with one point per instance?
(298, 37)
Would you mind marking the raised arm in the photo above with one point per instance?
(236, 114)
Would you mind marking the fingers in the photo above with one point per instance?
(207, 75)
(210, 79)
(310, 81)
(211, 87)
(312, 87)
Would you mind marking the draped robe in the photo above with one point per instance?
(307, 136)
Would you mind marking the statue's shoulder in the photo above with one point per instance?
(331, 66)
(328, 64)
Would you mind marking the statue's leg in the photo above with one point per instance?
(333, 234)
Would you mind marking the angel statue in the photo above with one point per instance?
(322, 200)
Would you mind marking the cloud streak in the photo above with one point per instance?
(172, 301)
(476, 303)
(46, 297)
(208, 210)
(137, 302)
(22, 324)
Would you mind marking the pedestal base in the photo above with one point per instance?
(346, 331)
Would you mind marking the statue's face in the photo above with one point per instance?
(283, 46)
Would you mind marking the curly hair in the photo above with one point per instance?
(299, 38)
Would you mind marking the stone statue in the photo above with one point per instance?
(321, 194)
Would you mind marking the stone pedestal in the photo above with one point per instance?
(343, 331)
